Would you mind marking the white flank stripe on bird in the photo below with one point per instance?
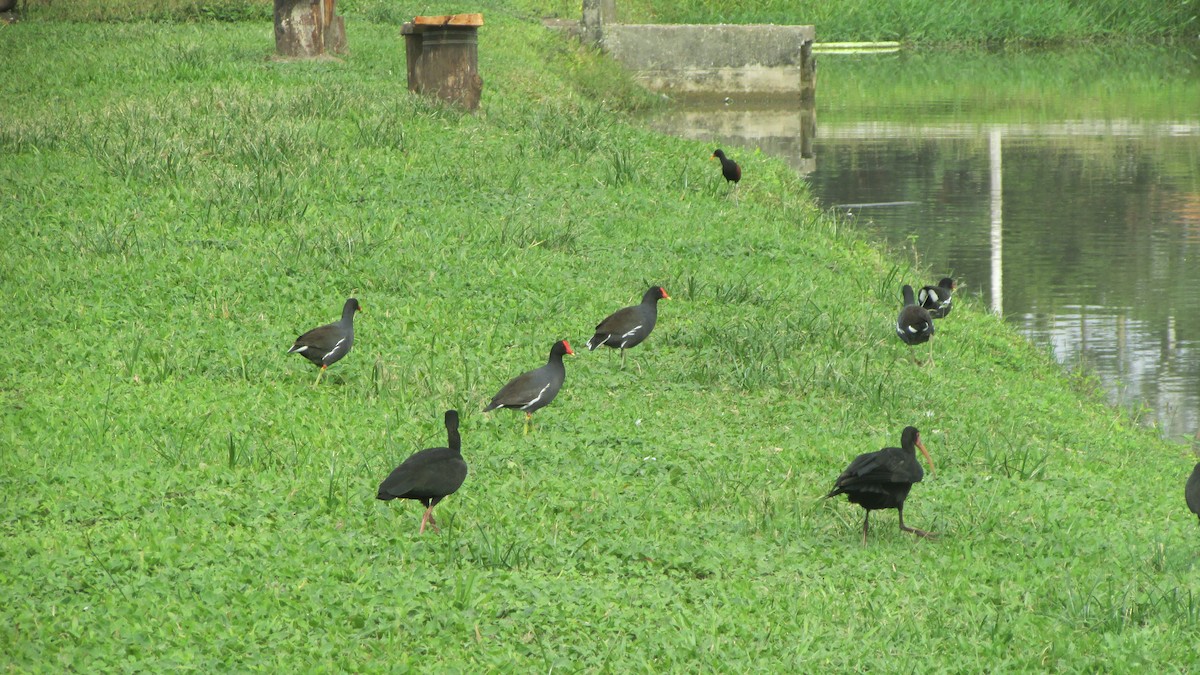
(536, 398)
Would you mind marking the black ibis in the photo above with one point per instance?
(430, 475)
(1192, 491)
(882, 479)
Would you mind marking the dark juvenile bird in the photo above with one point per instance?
(914, 325)
(1192, 491)
(937, 299)
(881, 480)
(729, 168)
(325, 345)
(430, 475)
(628, 326)
(535, 389)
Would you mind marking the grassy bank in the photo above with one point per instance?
(1043, 22)
(176, 495)
(926, 22)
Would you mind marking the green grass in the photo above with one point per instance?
(177, 496)
(945, 21)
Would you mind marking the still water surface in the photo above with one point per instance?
(1063, 189)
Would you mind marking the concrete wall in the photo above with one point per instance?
(765, 59)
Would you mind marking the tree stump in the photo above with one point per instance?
(443, 57)
(306, 28)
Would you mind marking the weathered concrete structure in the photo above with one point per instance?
(743, 59)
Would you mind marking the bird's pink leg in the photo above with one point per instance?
(428, 518)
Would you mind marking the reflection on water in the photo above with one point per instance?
(1083, 230)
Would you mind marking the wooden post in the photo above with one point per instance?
(307, 28)
(443, 57)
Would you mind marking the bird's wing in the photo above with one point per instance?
(521, 390)
(325, 338)
(433, 471)
(890, 465)
(618, 320)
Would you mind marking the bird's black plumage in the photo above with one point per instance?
(327, 344)
(628, 326)
(535, 389)
(882, 479)
(430, 475)
(729, 168)
(1192, 491)
(937, 299)
(914, 325)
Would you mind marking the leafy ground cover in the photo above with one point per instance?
(177, 495)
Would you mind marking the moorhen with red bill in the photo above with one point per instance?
(628, 326)
(535, 389)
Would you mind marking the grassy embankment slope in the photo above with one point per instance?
(947, 22)
(176, 494)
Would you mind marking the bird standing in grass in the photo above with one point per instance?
(325, 345)
(729, 169)
(430, 475)
(914, 325)
(882, 479)
(535, 389)
(1192, 491)
(937, 299)
(628, 326)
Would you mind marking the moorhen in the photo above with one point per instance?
(535, 389)
(937, 299)
(429, 475)
(882, 479)
(914, 325)
(325, 345)
(628, 326)
(729, 169)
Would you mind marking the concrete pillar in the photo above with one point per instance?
(596, 13)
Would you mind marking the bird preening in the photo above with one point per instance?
(937, 299)
(326, 344)
(628, 326)
(535, 389)
(882, 479)
(430, 475)
(914, 325)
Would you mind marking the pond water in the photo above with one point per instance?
(1062, 188)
